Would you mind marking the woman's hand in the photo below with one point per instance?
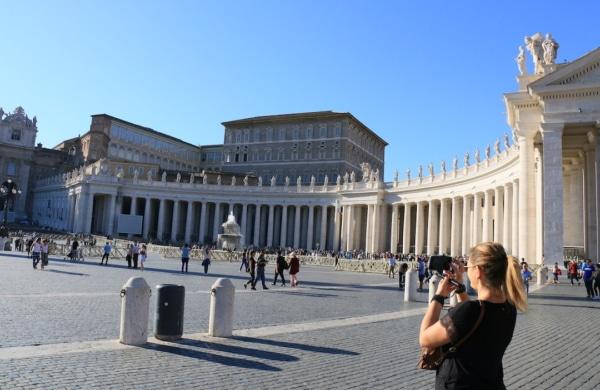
(458, 269)
(444, 287)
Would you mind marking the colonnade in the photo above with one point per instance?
(453, 225)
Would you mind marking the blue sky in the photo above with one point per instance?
(426, 76)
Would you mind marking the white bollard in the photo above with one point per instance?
(220, 322)
(135, 302)
(542, 275)
(433, 284)
(411, 283)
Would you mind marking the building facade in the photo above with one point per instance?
(537, 194)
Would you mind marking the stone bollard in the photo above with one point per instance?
(135, 302)
(220, 322)
(542, 275)
(433, 284)
(411, 283)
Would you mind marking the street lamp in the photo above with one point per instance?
(8, 193)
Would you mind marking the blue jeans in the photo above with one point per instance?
(35, 257)
(260, 274)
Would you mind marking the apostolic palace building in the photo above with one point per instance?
(315, 180)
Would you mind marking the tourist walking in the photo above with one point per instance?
(45, 249)
(526, 275)
(391, 266)
(294, 269)
(106, 254)
(280, 266)
(484, 328)
(74, 250)
(252, 271)
(206, 261)
(135, 254)
(597, 282)
(36, 250)
(421, 266)
(588, 270)
(556, 272)
(185, 257)
(261, 264)
(129, 255)
(573, 272)
(244, 264)
(336, 262)
(143, 256)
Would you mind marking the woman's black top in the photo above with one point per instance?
(477, 364)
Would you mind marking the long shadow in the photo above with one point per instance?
(307, 294)
(557, 297)
(67, 272)
(302, 347)
(237, 350)
(210, 357)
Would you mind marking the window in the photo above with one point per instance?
(309, 131)
(16, 135)
(338, 129)
(11, 168)
(323, 131)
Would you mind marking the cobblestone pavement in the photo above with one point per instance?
(554, 346)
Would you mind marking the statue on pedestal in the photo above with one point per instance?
(487, 152)
(178, 178)
(191, 178)
(377, 175)
(466, 160)
(233, 180)
(346, 178)
(204, 178)
(477, 157)
(455, 164)
(338, 181)
(260, 181)
(408, 175)
(521, 62)
(420, 172)
(273, 181)
(506, 143)
(164, 177)
(534, 45)
(366, 171)
(149, 175)
(550, 47)
(352, 177)
(218, 180)
(136, 174)
(246, 181)
(325, 181)
(431, 169)
(312, 182)
(299, 182)
(396, 176)
(497, 147)
(287, 182)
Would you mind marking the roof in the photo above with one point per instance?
(300, 115)
(148, 129)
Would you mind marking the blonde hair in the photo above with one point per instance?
(501, 271)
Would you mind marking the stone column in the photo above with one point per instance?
(394, 233)
(133, 210)
(591, 242)
(336, 228)
(203, 223)
(344, 229)
(376, 232)
(419, 229)
(189, 221)
(283, 234)
(443, 227)
(175, 222)
(432, 228)
(112, 200)
(553, 193)
(89, 209)
(514, 240)
(243, 226)
(506, 223)
(487, 217)
(498, 214)
(297, 227)
(466, 232)
(527, 223)
(147, 210)
(270, 226)
(310, 227)
(216, 222)
(257, 225)
(455, 227)
(160, 229)
(406, 231)
(323, 238)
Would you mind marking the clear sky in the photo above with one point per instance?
(427, 76)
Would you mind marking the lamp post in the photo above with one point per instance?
(8, 193)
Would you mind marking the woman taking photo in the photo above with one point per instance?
(475, 334)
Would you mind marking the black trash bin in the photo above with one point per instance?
(168, 318)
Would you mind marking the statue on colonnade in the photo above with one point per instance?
(338, 181)
(497, 147)
(521, 62)
(550, 47)
(273, 181)
(164, 177)
(218, 180)
(366, 171)
(352, 177)
(420, 172)
(534, 45)
(346, 178)
(466, 159)
(178, 178)
(506, 142)
(477, 156)
(326, 181)
(149, 175)
(260, 181)
(287, 181)
(246, 181)
(487, 152)
(233, 180)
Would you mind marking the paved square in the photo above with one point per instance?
(337, 330)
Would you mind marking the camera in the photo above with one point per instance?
(439, 264)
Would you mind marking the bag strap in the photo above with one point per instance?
(473, 329)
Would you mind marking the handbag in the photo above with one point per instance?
(432, 358)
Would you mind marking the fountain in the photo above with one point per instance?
(231, 237)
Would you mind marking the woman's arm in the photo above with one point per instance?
(433, 334)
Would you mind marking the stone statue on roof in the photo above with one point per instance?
(455, 164)
(204, 178)
(346, 178)
(420, 172)
(521, 62)
(487, 152)
(218, 180)
(233, 180)
(287, 181)
(506, 142)
(136, 174)
(149, 175)
(366, 171)
(178, 178)
(191, 178)
(550, 47)
(352, 177)
(246, 181)
(466, 159)
(408, 174)
(443, 167)
(497, 146)
(477, 156)
(273, 181)
(325, 181)
(260, 181)
(338, 181)
(534, 45)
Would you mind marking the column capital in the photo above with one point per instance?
(552, 129)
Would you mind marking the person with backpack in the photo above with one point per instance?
(206, 261)
(252, 271)
(280, 266)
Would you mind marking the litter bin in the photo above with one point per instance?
(168, 318)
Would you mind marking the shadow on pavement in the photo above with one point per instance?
(569, 306)
(210, 357)
(302, 347)
(67, 272)
(237, 350)
(307, 294)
